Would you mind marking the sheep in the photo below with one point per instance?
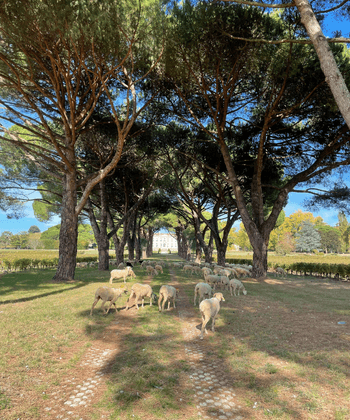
(121, 265)
(206, 270)
(225, 272)
(141, 291)
(152, 271)
(242, 272)
(187, 268)
(225, 281)
(107, 294)
(236, 285)
(217, 269)
(281, 271)
(209, 308)
(212, 279)
(82, 264)
(201, 290)
(167, 293)
(118, 274)
(196, 270)
(159, 268)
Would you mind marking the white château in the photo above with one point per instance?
(164, 242)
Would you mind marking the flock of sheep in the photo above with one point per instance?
(209, 304)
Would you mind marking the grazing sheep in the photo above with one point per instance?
(217, 269)
(82, 264)
(242, 272)
(159, 268)
(206, 270)
(212, 279)
(236, 285)
(118, 274)
(141, 291)
(167, 293)
(201, 290)
(187, 268)
(209, 309)
(225, 281)
(196, 270)
(152, 271)
(107, 294)
(225, 272)
(280, 271)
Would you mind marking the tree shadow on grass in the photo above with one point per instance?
(35, 284)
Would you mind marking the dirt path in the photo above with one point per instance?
(86, 384)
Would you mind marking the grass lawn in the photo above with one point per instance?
(282, 347)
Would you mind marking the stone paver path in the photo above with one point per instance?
(215, 399)
(67, 402)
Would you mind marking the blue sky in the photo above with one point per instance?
(295, 202)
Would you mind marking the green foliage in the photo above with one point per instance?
(33, 229)
(308, 238)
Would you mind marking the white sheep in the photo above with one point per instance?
(236, 285)
(141, 291)
(159, 268)
(118, 274)
(152, 271)
(225, 272)
(201, 290)
(206, 270)
(107, 294)
(187, 268)
(167, 293)
(212, 279)
(225, 281)
(281, 271)
(209, 309)
(242, 272)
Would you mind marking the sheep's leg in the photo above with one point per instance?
(103, 306)
(110, 280)
(213, 323)
(112, 303)
(127, 303)
(173, 302)
(195, 295)
(94, 304)
(159, 302)
(204, 324)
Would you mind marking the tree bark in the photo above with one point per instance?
(329, 66)
(100, 231)
(68, 239)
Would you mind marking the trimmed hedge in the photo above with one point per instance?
(26, 263)
(303, 268)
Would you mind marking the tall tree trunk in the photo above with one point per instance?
(100, 231)
(329, 66)
(68, 239)
(149, 248)
(132, 238)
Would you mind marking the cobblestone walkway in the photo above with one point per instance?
(214, 398)
(73, 396)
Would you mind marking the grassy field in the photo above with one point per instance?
(281, 345)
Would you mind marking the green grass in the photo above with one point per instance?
(281, 345)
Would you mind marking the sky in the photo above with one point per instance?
(295, 201)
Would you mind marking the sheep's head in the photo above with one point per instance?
(219, 297)
(154, 297)
(245, 292)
